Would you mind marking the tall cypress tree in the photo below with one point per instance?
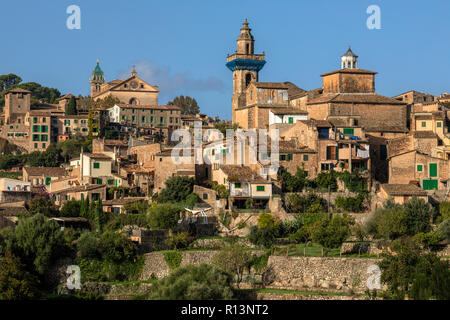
(71, 108)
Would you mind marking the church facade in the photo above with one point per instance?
(133, 91)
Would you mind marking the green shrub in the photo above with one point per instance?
(194, 282)
(331, 233)
(179, 240)
(192, 200)
(177, 189)
(444, 211)
(16, 283)
(327, 179)
(173, 259)
(297, 203)
(88, 245)
(117, 248)
(444, 230)
(351, 204)
(163, 216)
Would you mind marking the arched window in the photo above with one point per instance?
(247, 48)
(134, 101)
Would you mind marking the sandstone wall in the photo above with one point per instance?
(312, 273)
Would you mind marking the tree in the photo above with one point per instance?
(410, 273)
(84, 208)
(116, 247)
(15, 282)
(194, 282)
(224, 126)
(418, 215)
(233, 259)
(71, 108)
(331, 233)
(444, 230)
(43, 205)
(163, 216)
(311, 203)
(98, 215)
(37, 241)
(177, 189)
(71, 208)
(9, 80)
(327, 179)
(192, 200)
(187, 104)
(88, 245)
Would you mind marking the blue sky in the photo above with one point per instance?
(182, 45)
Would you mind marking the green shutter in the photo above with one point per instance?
(419, 168)
(430, 184)
(260, 188)
(349, 131)
(291, 120)
(433, 169)
(47, 181)
(328, 153)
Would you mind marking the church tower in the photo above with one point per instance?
(245, 65)
(349, 60)
(96, 80)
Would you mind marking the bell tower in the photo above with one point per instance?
(349, 60)
(245, 65)
(97, 80)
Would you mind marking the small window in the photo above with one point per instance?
(96, 165)
(237, 186)
(205, 196)
(260, 188)
(424, 124)
(419, 168)
(439, 124)
(305, 157)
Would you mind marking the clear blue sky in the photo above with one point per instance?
(182, 45)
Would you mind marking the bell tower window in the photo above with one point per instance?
(248, 79)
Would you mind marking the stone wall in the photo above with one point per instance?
(154, 263)
(312, 273)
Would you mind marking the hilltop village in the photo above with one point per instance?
(347, 155)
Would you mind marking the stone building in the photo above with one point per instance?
(411, 161)
(245, 65)
(146, 116)
(133, 90)
(42, 176)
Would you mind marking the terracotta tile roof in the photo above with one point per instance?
(424, 135)
(355, 98)
(384, 128)
(45, 171)
(122, 201)
(271, 85)
(294, 91)
(403, 190)
(347, 70)
(40, 113)
(133, 106)
(97, 156)
(6, 211)
(81, 188)
(19, 90)
(284, 111)
(242, 173)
